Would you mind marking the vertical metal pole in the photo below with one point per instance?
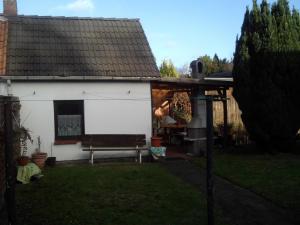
(225, 117)
(209, 175)
(10, 164)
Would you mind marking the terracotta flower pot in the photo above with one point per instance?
(39, 159)
(156, 141)
(23, 160)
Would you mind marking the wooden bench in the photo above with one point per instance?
(114, 142)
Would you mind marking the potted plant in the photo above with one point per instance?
(51, 161)
(39, 157)
(156, 141)
(24, 136)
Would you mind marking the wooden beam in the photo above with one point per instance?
(153, 133)
(225, 118)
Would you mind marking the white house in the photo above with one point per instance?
(80, 76)
(76, 76)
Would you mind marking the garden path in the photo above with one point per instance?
(238, 205)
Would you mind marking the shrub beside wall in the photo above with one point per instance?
(15, 110)
(2, 163)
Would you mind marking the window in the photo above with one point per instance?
(69, 119)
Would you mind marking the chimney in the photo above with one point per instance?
(3, 44)
(10, 8)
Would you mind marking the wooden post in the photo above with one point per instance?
(225, 118)
(10, 164)
(209, 163)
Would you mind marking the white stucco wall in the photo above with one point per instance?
(109, 108)
(3, 88)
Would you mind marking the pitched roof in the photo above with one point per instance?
(64, 46)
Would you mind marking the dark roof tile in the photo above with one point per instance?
(47, 46)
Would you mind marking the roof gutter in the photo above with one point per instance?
(230, 79)
(77, 78)
(162, 80)
(100, 78)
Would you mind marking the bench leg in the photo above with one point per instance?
(92, 157)
(139, 155)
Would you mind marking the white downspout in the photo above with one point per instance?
(9, 88)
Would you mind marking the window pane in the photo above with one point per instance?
(69, 125)
(69, 107)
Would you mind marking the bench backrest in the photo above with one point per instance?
(114, 140)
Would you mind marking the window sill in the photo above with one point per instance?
(66, 142)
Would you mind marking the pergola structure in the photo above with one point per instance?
(220, 85)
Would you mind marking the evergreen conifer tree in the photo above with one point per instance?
(267, 73)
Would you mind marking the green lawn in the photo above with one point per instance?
(276, 177)
(112, 194)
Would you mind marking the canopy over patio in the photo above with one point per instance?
(163, 90)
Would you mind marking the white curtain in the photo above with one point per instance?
(69, 125)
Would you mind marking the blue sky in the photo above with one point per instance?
(180, 30)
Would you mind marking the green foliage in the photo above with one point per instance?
(215, 64)
(266, 73)
(181, 107)
(167, 69)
